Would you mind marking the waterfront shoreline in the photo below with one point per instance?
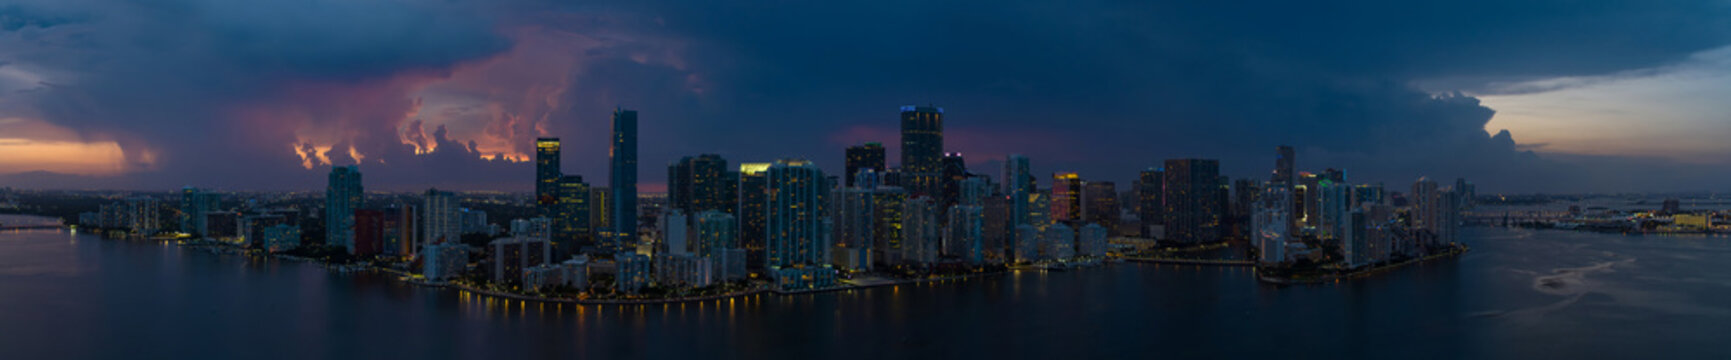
(1357, 274)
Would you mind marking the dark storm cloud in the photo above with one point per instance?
(1140, 81)
(172, 81)
(1101, 87)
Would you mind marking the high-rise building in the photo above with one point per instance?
(343, 196)
(1355, 246)
(440, 217)
(1100, 204)
(796, 232)
(753, 212)
(547, 176)
(1465, 192)
(954, 171)
(797, 229)
(1285, 165)
(1066, 197)
(513, 254)
(865, 156)
(922, 149)
(996, 233)
(1192, 200)
(1018, 185)
(921, 234)
(369, 232)
(964, 233)
(444, 260)
(623, 182)
(1091, 241)
(600, 218)
(1367, 193)
(888, 206)
(1150, 197)
(1271, 223)
(698, 184)
(571, 222)
(1424, 209)
(1306, 193)
(1334, 205)
(1059, 241)
(194, 204)
(974, 190)
(1245, 193)
(716, 231)
(1027, 244)
(675, 229)
(402, 229)
(281, 237)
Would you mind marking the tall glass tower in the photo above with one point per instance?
(546, 175)
(343, 196)
(623, 180)
(922, 149)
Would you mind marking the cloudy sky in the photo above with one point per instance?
(1518, 96)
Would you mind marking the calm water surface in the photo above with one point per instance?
(1519, 294)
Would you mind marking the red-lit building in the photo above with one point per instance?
(369, 232)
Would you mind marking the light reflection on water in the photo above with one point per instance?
(1612, 296)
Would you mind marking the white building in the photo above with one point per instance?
(1271, 222)
(444, 261)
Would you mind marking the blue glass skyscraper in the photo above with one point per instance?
(623, 181)
(342, 196)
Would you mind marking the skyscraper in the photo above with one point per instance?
(194, 205)
(921, 234)
(1100, 204)
(1066, 197)
(753, 213)
(572, 229)
(954, 170)
(1018, 184)
(796, 232)
(1426, 210)
(440, 217)
(1192, 200)
(864, 156)
(1285, 162)
(888, 205)
(698, 184)
(546, 175)
(623, 182)
(963, 235)
(798, 235)
(716, 231)
(343, 195)
(1150, 197)
(922, 149)
(1271, 223)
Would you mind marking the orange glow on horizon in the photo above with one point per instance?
(69, 157)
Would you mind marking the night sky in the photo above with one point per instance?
(268, 94)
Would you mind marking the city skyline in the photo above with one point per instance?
(1137, 83)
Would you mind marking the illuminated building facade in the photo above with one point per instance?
(1192, 197)
(868, 156)
(343, 195)
(1066, 197)
(547, 176)
(1100, 204)
(922, 149)
(623, 182)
